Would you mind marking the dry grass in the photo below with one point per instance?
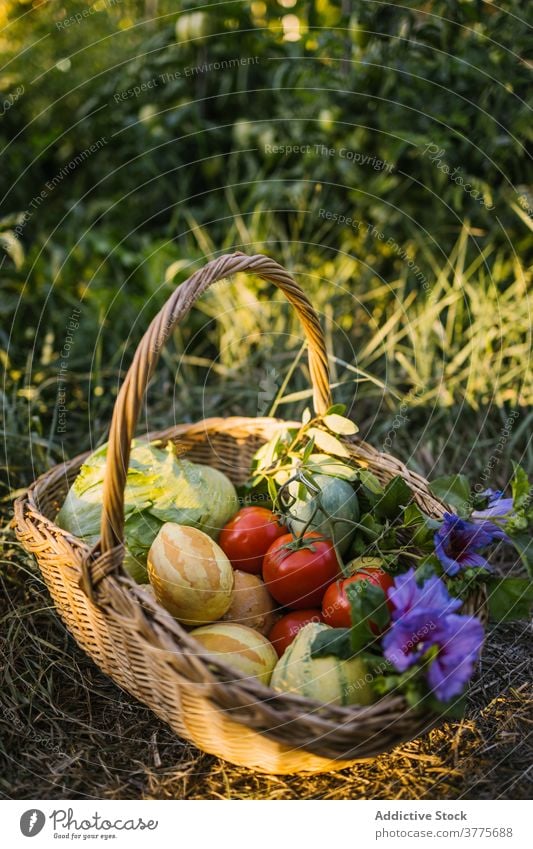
(69, 732)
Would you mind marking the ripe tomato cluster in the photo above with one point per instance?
(301, 574)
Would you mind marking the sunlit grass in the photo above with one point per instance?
(464, 344)
(466, 340)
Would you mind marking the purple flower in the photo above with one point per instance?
(424, 620)
(457, 542)
(497, 507)
(416, 613)
(408, 639)
(406, 596)
(459, 640)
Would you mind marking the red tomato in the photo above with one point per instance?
(336, 608)
(247, 537)
(284, 631)
(299, 576)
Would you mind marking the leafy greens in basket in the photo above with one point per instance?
(160, 487)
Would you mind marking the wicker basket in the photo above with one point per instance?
(140, 646)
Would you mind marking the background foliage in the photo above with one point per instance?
(427, 293)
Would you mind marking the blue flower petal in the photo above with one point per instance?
(457, 541)
(460, 639)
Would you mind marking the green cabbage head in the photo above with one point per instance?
(160, 487)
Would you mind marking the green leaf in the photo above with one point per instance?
(323, 464)
(328, 443)
(423, 538)
(302, 491)
(425, 570)
(421, 527)
(340, 424)
(308, 450)
(510, 598)
(516, 524)
(465, 583)
(336, 409)
(336, 641)
(373, 602)
(370, 482)
(455, 491)
(413, 516)
(369, 491)
(376, 663)
(267, 453)
(395, 496)
(410, 683)
(388, 541)
(368, 604)
(358, 547)
(272, 491)
(415, 696)
(520, 487)
(370, 527)
(360, 636)
(523, 544)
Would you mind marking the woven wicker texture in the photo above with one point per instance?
(137, 643)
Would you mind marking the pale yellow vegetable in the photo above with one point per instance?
(325, 679)
(191, 576)
(247, 652)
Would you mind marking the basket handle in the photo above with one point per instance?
(130, 397)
